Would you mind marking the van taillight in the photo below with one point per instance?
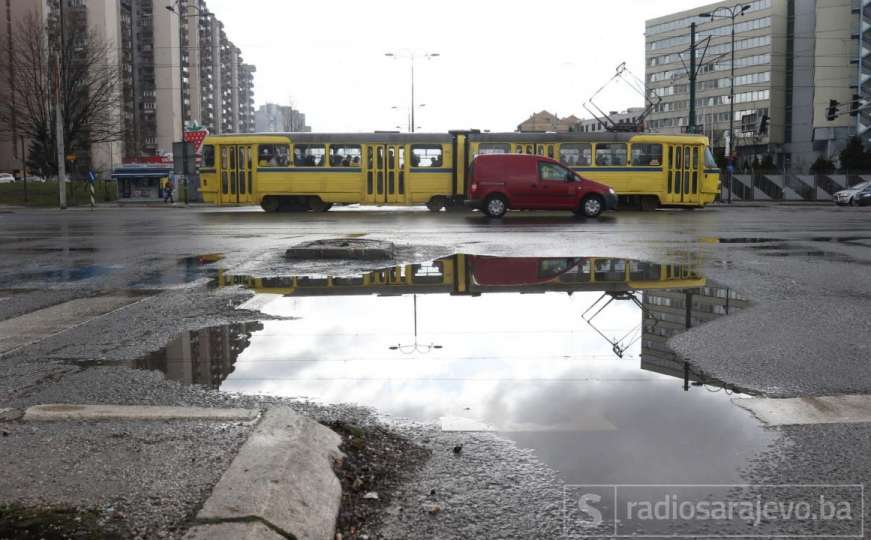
(474, 186)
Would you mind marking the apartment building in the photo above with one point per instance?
(760, 74)
(791, 58)
(178, 67)
(273, 118)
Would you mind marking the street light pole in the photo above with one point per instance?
(732, 13)
(411, 57)
(177, 9)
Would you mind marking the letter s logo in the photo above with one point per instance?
(590, 510)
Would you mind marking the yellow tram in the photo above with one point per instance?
(313, 171)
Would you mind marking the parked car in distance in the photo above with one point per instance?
(499, 182)
(6, 178)
(863, 198)
(848, 196)
(35, 179)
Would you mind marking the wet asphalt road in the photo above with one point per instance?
(805, 268)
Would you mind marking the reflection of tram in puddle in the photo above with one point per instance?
(672, 297)
(475, 274)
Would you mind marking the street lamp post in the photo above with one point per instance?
(415, 347)
(733, 12)
(177, 10)
(411, 56)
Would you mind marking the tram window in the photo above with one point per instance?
(426, 155)
(611, 154)
(519, 149)
(345, 155)
(647, 155)
(309, 155)
(576, 154)
(272, 155)
(494, 148)
(529, 149)
(208, 156)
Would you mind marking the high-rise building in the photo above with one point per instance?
(272, 118)
(176, 66)
(791, 58)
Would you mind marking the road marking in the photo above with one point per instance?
(60, 412)
(846, 409)
(43, 323)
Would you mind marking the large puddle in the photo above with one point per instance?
(566, 356)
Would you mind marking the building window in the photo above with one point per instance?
(426, 155)
(647, 155)
(272, 155)
(611, 154)
(309, 155)
(345, 155)
(576, 154)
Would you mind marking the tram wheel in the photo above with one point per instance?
(649, 204)
(270, 204)
(316, 204)
(435, 204)
(292, 204)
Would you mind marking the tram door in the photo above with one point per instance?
(682, 183)
(237, 173)
(385, 174)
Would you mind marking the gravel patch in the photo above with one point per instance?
(153, 476)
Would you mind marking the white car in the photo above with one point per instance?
(35, 179)
(848, 196)
(6, 178)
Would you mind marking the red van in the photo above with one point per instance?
(499, 182)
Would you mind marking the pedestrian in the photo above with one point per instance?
(167, 191)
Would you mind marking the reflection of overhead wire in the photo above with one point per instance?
(618, 345)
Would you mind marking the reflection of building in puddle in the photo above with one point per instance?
(672, 312)
(205, 357)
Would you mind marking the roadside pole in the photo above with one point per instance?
(59, 122)
(91, 179)
(23, 167)
(692, 108)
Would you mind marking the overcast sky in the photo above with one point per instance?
(499, 61)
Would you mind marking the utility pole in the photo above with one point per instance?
(692, 111)
(58, 115)
(23, 165)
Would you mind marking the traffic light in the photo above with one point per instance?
(855, 105)
(832, 111)
(762, 128)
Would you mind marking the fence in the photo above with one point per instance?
(788, 187)
(46, 193)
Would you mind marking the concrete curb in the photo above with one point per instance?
(282, 478)
(235, 531)
(846, 409)
(61, 412)
(342, 248)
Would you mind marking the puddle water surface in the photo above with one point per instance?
(566, 356)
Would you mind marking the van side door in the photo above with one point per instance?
(556, 186)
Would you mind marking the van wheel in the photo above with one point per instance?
(436, 204)
(316, 204)
(591, 207)
(495, 206)
(270, 204)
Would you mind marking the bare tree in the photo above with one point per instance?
(90, 81)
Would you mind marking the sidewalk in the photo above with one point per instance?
(760, 204)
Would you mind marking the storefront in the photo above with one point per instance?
(142, 182)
